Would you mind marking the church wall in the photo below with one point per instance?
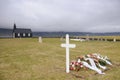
(22, 35)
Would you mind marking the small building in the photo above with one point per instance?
(21, 32)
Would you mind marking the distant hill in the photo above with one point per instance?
(8, 33)
(62, 34)
(5, 32)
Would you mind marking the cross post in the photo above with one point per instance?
(67, 46)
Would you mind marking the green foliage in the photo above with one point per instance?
(102, 62)
(27, 59)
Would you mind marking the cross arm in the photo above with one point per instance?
(68, 45)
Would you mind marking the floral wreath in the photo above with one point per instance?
(99, 61)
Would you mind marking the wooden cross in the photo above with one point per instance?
(67, 46)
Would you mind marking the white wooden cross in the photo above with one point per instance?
(67, 46)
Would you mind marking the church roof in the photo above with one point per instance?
(22, 30)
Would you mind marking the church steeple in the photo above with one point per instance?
(13, 33)
(14, 27)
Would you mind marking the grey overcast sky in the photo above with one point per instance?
(61, 15)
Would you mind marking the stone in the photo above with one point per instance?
(40, 39)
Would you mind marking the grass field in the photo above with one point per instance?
(27, 59)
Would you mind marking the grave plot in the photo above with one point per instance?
(90, 61)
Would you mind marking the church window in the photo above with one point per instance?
(23, 34)
(28, 34)
(18, 34)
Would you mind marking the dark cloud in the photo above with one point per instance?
(62, 15)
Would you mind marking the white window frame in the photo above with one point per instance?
(29, 34)
(18, 34)
(24, 34)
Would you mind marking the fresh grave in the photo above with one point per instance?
(92, 61)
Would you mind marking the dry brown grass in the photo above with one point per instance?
(27, 59)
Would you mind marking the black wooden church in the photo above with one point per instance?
(21, 32)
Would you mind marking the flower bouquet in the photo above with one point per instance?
(92, 61)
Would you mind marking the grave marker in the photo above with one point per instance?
(87, 37)
(67, 46)
(114, 40)
(40, 39)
